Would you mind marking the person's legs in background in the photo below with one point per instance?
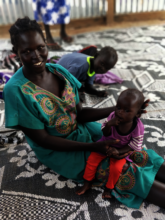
(50, 41)
(63, 35)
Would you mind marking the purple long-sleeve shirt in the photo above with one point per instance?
(134, 139)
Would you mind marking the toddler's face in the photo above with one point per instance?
(126, 109)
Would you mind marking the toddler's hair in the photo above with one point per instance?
(23, 25)
(135, 94)
(108, 52)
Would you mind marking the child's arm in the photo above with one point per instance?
(107, 129)
(137, 137)
(89, 88)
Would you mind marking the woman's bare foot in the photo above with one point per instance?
(87, 185)
(107, 193)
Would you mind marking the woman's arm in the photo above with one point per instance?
(95, 114)
(92, 114)
(43, 139)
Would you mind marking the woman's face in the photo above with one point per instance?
(32, 51)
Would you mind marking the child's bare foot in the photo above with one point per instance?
(107, 193)
(87, 185)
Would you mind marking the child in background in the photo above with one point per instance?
(84, 67)
(125, 126)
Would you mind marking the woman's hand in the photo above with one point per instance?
(145, 104)
(102, 93)
(121, 156)
(112, 151)
(105, 145)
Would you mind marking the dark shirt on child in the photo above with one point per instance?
(77, 65)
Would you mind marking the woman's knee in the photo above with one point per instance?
(161, 173)
(157, 194)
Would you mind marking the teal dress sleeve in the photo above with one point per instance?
(19, 110)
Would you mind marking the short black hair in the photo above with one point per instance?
(23, 25)
(136, 94)
(109, 52)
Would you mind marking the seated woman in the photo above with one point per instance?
(42, 100)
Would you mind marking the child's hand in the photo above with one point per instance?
(114, 121)
(107, 129)
(102, 93)
(112, 152)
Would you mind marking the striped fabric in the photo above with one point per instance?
(136, 143)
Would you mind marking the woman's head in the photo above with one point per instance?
(129, 105)
(23, 25)
(105, 59)
(29, 43)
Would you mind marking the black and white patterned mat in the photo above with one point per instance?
(29, 190)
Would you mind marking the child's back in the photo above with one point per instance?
(77, 65)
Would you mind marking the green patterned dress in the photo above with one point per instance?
(30, 106)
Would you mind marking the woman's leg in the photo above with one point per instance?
(50, 41)
(161, 174)
(49, 37)
(157, 194)
(64, 35)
